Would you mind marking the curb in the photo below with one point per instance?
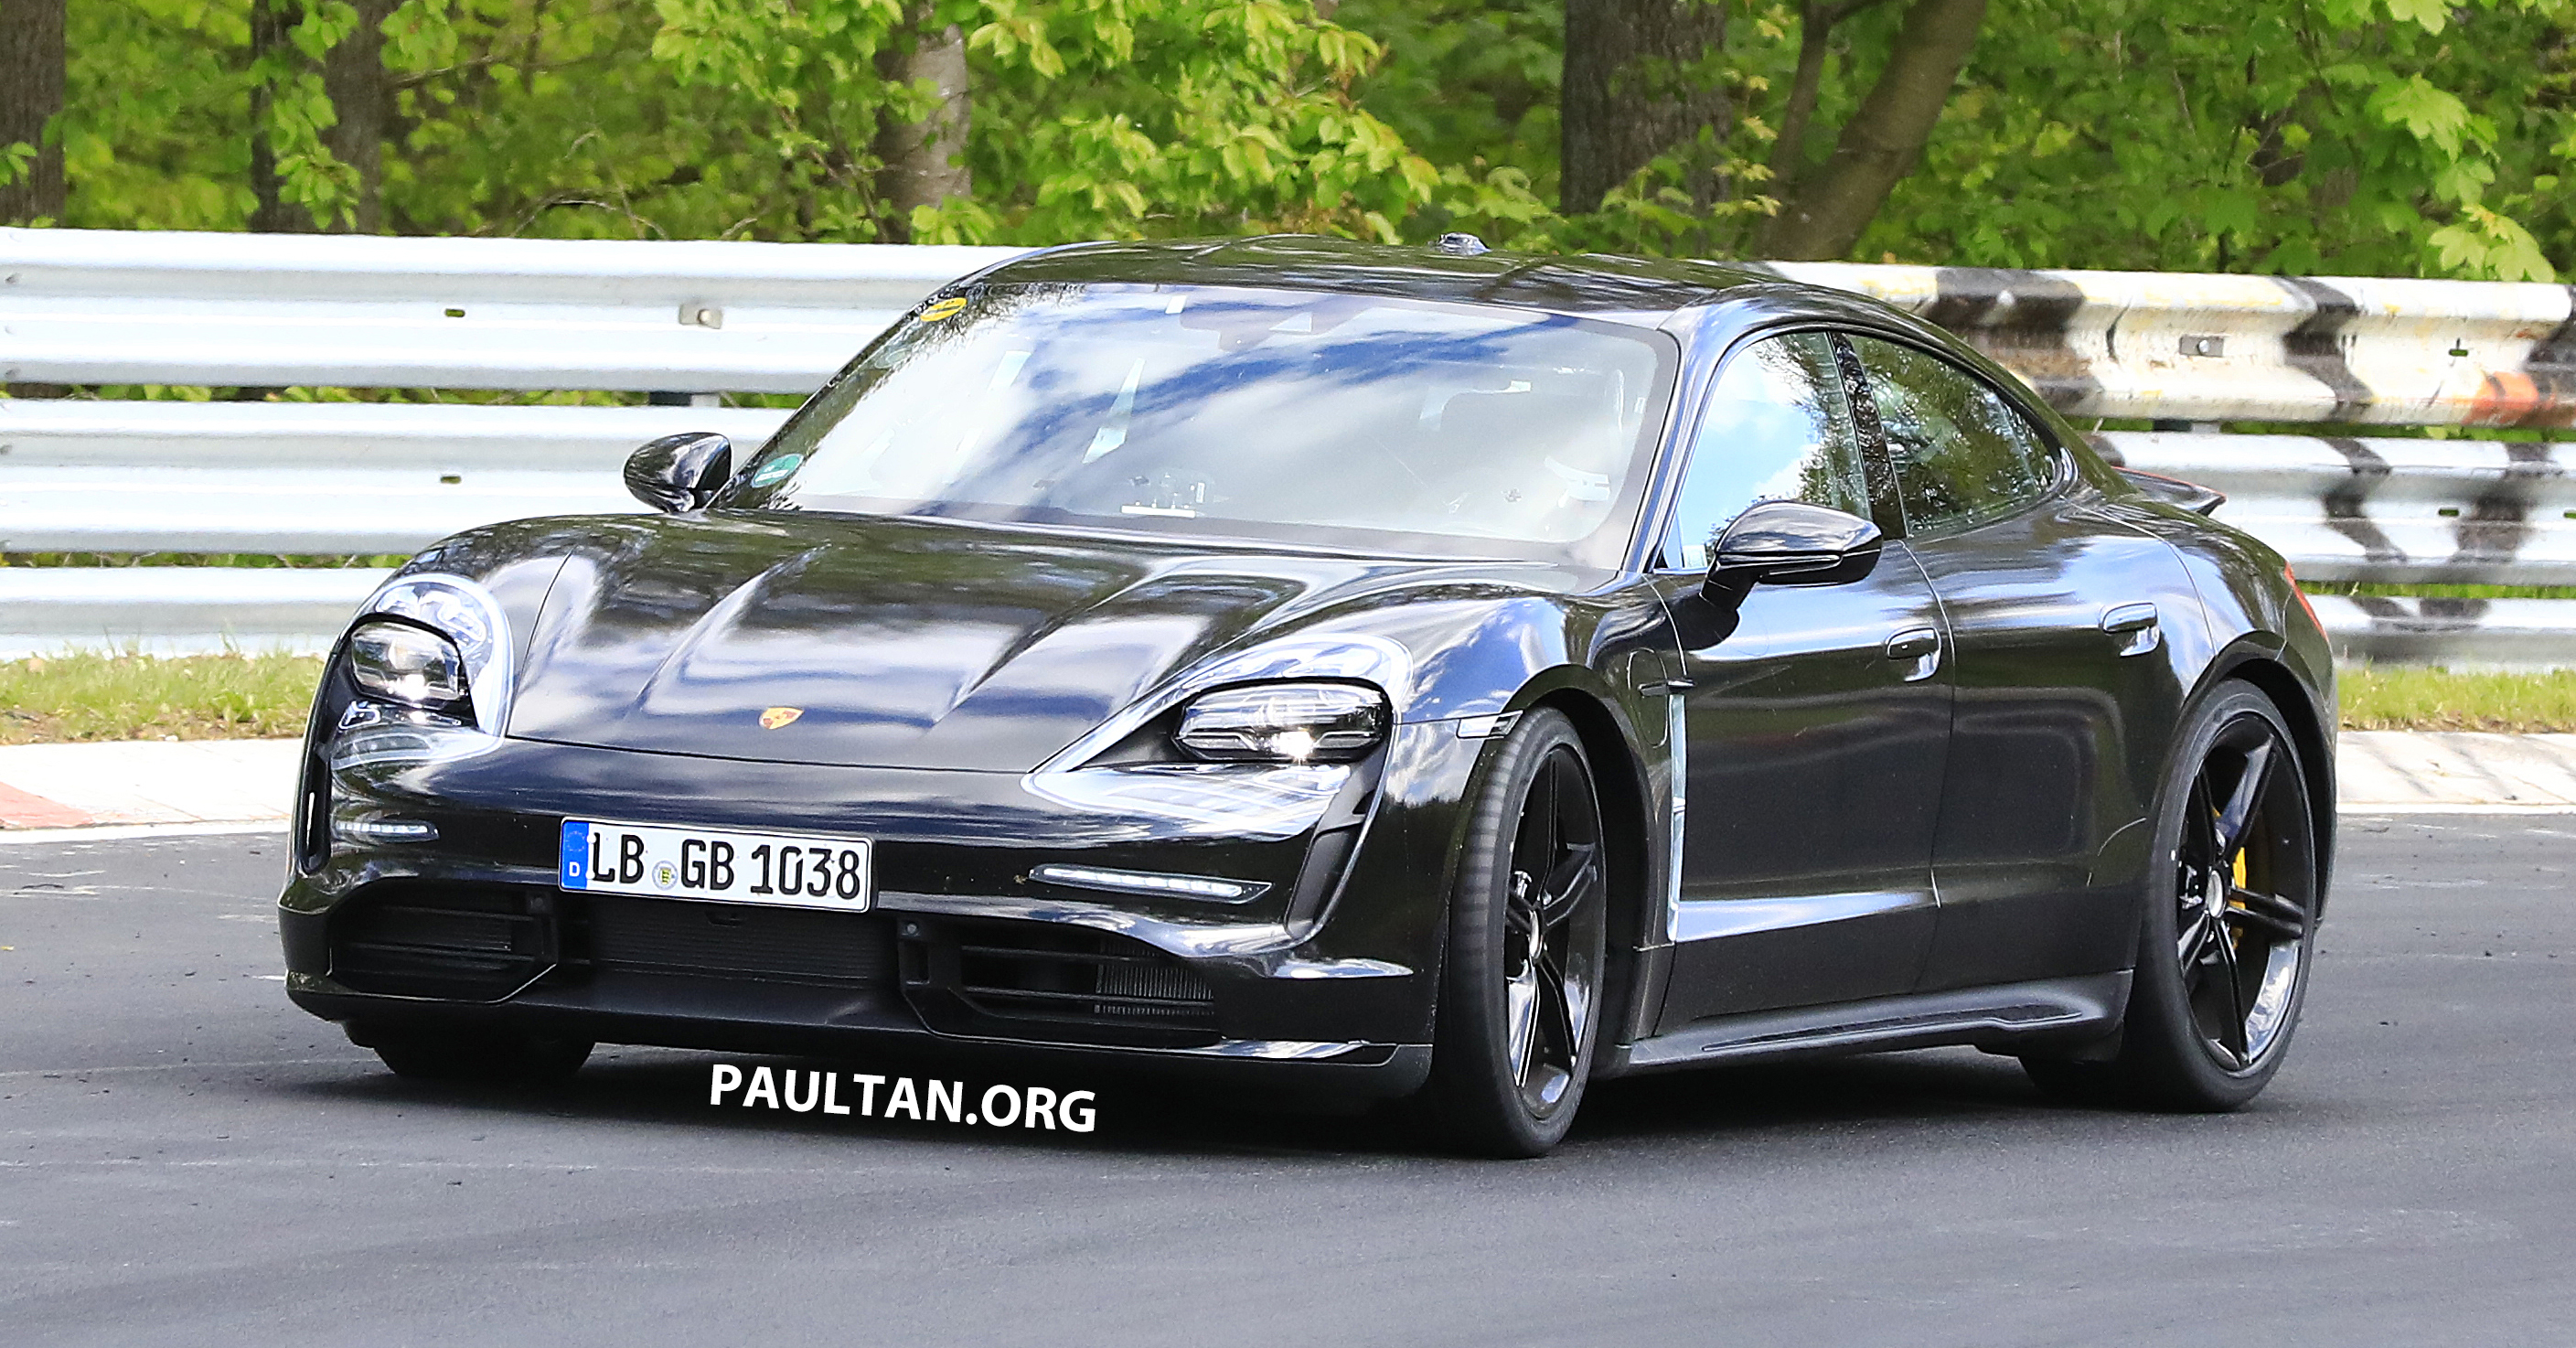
(146, 782)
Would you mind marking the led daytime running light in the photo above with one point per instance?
(371, 828)
(1149, 882)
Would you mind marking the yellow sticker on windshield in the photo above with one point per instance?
(946, 308)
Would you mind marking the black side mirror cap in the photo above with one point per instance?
(680, 472)
(1793, 543)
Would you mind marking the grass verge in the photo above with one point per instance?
(2406, 697)
(2411, 590)
(129, 697)
(78, 696)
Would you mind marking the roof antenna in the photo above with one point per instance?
(1460, 245)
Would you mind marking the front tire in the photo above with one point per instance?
(2230, 922)
(1520, 990)
(451, 1055)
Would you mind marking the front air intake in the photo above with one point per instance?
(1052, 983)
(739, 941)
(423, 938)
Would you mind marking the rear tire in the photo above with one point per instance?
(455, 1055)
(2230, 922)
(1520, 991)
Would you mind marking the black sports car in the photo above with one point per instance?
(1394, 672)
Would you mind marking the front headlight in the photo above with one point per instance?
(1284, 723)
(407, 664)
(438, 641)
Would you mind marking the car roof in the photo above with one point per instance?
(1707, 305)
(1636, 289)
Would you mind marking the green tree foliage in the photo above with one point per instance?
(168, 152)
(2371, 136)
(1092, 118)
(745, 118)
(2387, 137)
(551, 118)
(2364, 136)
(510, 117)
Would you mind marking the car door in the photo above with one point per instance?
(1816, 718)
(2058, 614)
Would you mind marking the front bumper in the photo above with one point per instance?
(1327, 976)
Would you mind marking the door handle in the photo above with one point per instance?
(2135, 625)
(1922, 645)
(1913, 642)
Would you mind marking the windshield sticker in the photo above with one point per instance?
(776, 468)
(1113, 433)
(947, 308)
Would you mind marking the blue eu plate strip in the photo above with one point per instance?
(573, 867)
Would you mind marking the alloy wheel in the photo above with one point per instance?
(2245, 894)
(1552, 944)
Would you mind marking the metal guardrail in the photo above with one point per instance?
(2481, 512)
(2350, 350)
(700, 318)
(97, 306)
(80, 476)
(176, 610)
(106, 307)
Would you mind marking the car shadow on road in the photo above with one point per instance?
(1147, 1114)
(1933, 1088)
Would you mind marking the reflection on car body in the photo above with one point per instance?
(1380, 672)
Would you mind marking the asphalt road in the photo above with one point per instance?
(185, 1159)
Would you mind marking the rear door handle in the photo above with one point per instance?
(1922, 645)
(2135, 624)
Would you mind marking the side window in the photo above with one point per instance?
(1962, 453)
(1775, 428)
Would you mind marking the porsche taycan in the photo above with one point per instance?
(1417, 675)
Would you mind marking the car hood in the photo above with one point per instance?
(898, 643)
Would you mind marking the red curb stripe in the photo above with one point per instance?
(21, 809)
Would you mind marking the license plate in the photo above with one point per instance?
(788, 870)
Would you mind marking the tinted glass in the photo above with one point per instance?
(1239, 413)
(1777, 428)
(1962, 453)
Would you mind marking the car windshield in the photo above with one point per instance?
(1269, 415)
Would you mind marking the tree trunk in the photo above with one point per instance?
(362, 98)
(31, 94)
(269, 22)
(925, 160)
(1634, 89)
(1816, 23)
(1879, 145)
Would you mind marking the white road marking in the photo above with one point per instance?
(352, 1060)
(2352, 810)
(22, 837)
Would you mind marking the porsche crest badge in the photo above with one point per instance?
(779, 716)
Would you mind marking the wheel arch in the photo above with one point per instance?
(1626, 800)
(2315, 740)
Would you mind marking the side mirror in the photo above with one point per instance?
(1793, 543)
(680, 472)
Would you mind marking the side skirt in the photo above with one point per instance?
(2006, 1016)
